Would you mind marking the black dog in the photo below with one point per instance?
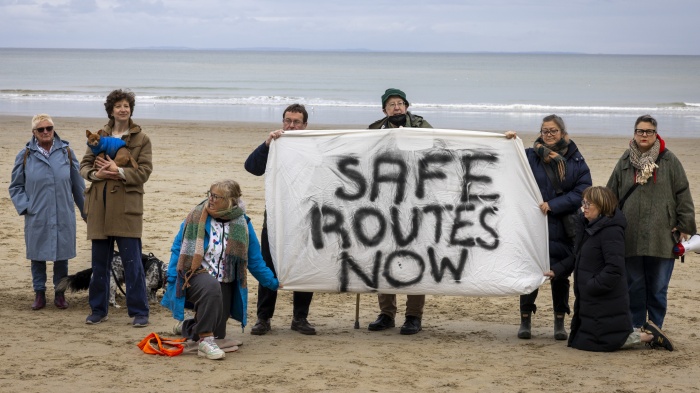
(156, 278)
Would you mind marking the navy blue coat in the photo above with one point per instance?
(257, 160)
(602, 319)
(577, 179)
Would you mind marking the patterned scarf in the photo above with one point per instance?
(644, 162)
(553, 155)
(192, 249)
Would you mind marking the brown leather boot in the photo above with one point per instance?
(60, 301)
(39, 300)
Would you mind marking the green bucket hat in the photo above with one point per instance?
(393, 92)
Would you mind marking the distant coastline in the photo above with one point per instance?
(348, 50)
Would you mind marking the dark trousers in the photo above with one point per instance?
(267, 298)
(560, 298)
(212, 305)
(134, 277)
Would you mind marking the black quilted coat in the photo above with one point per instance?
(602, 320)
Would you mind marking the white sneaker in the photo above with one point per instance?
(209, 349)
(177, 329)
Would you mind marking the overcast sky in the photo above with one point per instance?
(587, 26)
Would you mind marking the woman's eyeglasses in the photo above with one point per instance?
(549, 131)
(213, 197)
(640, 132)
(42, 129)
(586, 204)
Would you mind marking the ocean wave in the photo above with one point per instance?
(277, 100)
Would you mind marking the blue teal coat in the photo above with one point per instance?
(44, 191)
(239, 303)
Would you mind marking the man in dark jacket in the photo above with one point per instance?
(293, 118)
(395, 107)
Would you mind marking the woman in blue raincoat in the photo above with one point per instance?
(45, 185)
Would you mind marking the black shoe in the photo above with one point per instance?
(261, 327)
(383, 322)
(559, 330)
(525, 330)
(303, 326)
(660, 339)
(411, 325)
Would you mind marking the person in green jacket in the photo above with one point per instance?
(658, 207)
(395, 107)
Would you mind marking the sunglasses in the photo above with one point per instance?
(42, 129)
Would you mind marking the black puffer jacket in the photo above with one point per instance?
(601, 320)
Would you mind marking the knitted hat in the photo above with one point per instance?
(391, 92)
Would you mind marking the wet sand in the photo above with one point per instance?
(467, 344)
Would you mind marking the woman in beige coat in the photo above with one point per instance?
(114, 207)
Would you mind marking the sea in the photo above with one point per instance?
(595, 94)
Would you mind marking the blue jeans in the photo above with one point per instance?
(60, 270)
(134, 276)
(647, 280)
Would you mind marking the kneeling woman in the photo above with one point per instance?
(208, 268)
(602, 319)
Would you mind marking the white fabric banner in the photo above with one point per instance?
(408, 210)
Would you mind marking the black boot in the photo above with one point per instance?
(525, 325)
(559, 330)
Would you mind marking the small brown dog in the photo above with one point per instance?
(115, 148)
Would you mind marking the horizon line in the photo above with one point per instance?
(350, 50)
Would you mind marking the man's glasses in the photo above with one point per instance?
(295, 122)
(213, 197)
(586, 204)
(641, 132)
(549, 131)
(393, 105)
(42, 129)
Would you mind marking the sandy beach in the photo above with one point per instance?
(467, 344)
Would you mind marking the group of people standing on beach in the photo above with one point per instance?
(619, 247)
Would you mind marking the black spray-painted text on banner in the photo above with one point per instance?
(398, 185)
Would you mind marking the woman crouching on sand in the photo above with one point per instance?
(215, 246)
(602, 320)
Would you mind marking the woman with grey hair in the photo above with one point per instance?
(45, 185)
